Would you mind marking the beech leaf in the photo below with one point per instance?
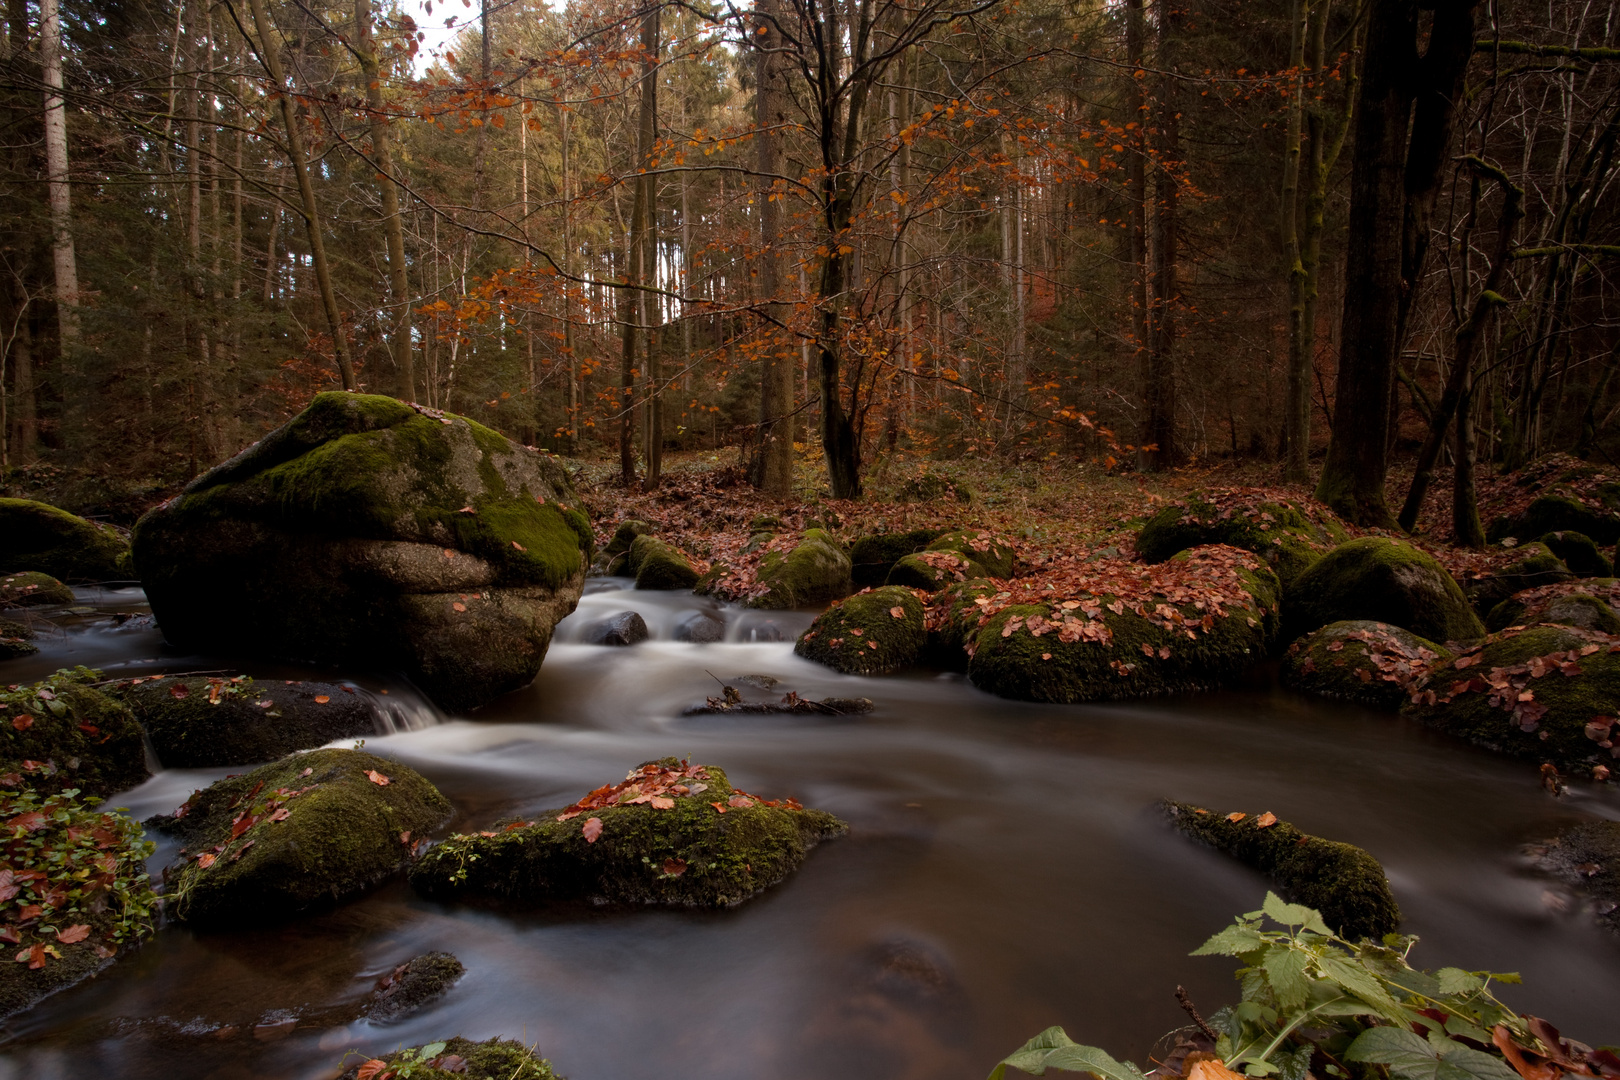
(73, 934)
(592, 829)
(377, 778)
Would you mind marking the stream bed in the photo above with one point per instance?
(1005, 871)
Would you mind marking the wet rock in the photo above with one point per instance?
(1588, 857)
(1559, 511)
(815, 571)
(624, 628)
(1342, 881)
(701, 628)
(759, 682)
(1578, 552)
(767, 631)
(1543, 693)
(37, 536)
(493, 1059)
(303, 832)
(874, 632)
(1534, 567)
(687, 839)
(730, 702)
(29, 589)
(872, 557)
(1592, 604)
(419, 981)
(1386, 581)
(366, 531)
(63, 732)
(1370, 663)
(205, 722)
(1289, 537)
(659, 566)
(16, 639)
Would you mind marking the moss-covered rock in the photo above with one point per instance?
(1342, 881)
(614, 558)
(983, 548)
(815, 571)
(930, 487)
(670, 833)
(931, 571)
(1281, 532)
(1371, 663)
(63, 733)
(463, 1059)
(1124, 630)
(419, 981)
(369, 531)
(30, 589)
(1385, 581)
(16, 639)
(1534, 566)
(953, 621)
(37, 536)
(1558, 511)
(1580, 553)
(1588, 857)
(659, 566)
(1593, 604)
(303, 832)
(874, 632)
(1544, 693)
(873, 556)
(201, 723)
(75, 892)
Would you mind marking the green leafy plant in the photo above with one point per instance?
(1315, 1004)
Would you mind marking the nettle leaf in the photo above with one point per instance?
(1354, 980)
(1285, 968)
(1297, 1066)
(1295, 915)
(1235, 940)
(1457, 981)
(1053, 1049)
(1410, 1057)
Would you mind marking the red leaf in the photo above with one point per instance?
(1265, 820)
(718, 807)
(405, 837)
(377, 778)
(32, 911)
(369, 1070)
(321, 699)
(898, 612)
(9, 935)
(741, 802)
(32, 821)
(73, 934)
(23, 723)
(178, 690)
(1236, 816)
(674, 867)
(205, 860)
(458, 606)
(592, 829)
(33, 956)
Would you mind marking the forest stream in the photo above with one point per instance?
(1005, 870)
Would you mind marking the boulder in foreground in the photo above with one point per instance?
(670, 833)
(874, 632)
(368, 531)
(63, 732)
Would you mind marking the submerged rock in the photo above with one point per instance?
(700, 628)
(63, 732)
(657, 565)
(623, 628)
(37, 536)
(1371, 663)
(815, 571)
(730, 702)
(493, 1059)
(16, 639)
(368, 531)
(306, 831)
(1593, 604)
(419, 981)
(874, 632)
(872, 557)
(1588, 857)
(1342, 881)
(1386, 581)
(1288, 536)
(30, 589)
(670, 833)
(201, 722)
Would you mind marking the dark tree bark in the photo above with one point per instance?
(1159, 429)
(773, 467)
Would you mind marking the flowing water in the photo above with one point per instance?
(1004, 871)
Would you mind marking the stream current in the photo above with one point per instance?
(1005, 870)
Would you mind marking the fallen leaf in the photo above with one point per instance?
(458, 606)
(1212, 1070)
(1046, 656)
(281, 815)
(73, 934)
(674, 867)
(592, 829)
(1265, 820)
(322, 699)
(32, 911)
(659, 802)
(519, 546)
(205, 860)
(34, 957)
(718, 806)
(368, 1070)
(377, 778)
(9, 935)
(898, 612)
(466, 510)
(405, 837)
(1236, 816)
(179, 691)
(306, 772)
(741, 802)
(22, 723)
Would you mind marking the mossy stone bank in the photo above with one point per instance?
(1534, 566)
(1592, 604)
(1558, 511)
(203, 722)
(1580, 553)
(1370, 663)
(953, 621)
(873, 556)
(63, 732)
(366, 531)
(1386, 581)
(659, 566)
(40, 537)
(303, 832)
(874, 632)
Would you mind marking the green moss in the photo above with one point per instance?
(75, 736)
(1342, 881)
(815, 571)
(36, 536)
(1580, 553)
(657, 565)
(494, 1059)
(1278, 532)
(983, 548)
(1592, 604)
(202, 722)
(415, 983)
(931, 571)
(1385, 581)
(863, 635)
(625, 535)
(690, 855)
(935, 487)
(765, 523)
(953, 621)
(30, 589)
(1371, 663)
(873, 556)
(343, 832)
(583, 532)
(1535, 567)
(1483, 700)
(1558, 512)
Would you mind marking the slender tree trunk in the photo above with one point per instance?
(774, 472)
(1297, 414)
(25, 441)
(1159, 431)
(393, 223)
(63, 258)
(568, 293)
(633, 306)
(1136, 201)
(647, 252)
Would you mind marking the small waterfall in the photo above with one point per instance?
(403, 708)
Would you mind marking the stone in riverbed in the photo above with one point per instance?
(38, 536)
(31, 589)
(700, 628)
(687, 839)
(366, 531)
(659, 566)
(875, 632)
(872, 557)
(953, 622)
(815, 571)
(63, 732)
(419, 981)
(1370, 663)
(624, 628)
(1588, 857)
(300, 833)
(493, 1059)
(1387, 581)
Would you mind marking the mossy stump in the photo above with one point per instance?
(874, 632)
(366, 531)
(40, 537)
(659, 566)
(1370, 663)
(1385, 581)
(32, 589)
(702, 844)
(1342, 881)
(873, 556)
(304, 832)
(815, 571)
(463, 1059)
(1591, 604)
(63, 732)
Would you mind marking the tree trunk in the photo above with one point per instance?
(393, 224)
(1297, 413)
(774, 470)
(1136, 200)
(1159, 431)
(56, 181)
(637, 259)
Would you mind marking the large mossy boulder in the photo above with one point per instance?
(458, 1059)
(1533, 565)
(933, 487)
(300, 833)
(983, 548)
(1342, 881)
(73, 892)
(1592, 604)
(1385, 581)
(204, 722)
(1288, 537)
(614, 557)
(1123, 630)
(874, 632)
(814, 571)
(63, 732)
(37, 536)
(368, 531)
(1370, 663)
(1580, 553)
(873, 556)
(30, 588)
(659, 566)
(669, 833)
(1544, 693)
(954, 613)
(1559, 511)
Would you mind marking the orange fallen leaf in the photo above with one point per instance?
(659, 802)
(519, 546)
(718, 806)
(741, 802)
(23, 723)
(377, 778)
(674, 867)
(592, 829)
(369, 1070)
(179, 691)
(281, 814)
(1046, 656)
(1212, 1070)
(73, 934)
(898, 612)
(306, 772)
(458, 606)
(405, 837)
(449, 554)
(1236, 816)
(34, 957)
(321, 699)
(1265, 820)
(466, 510)
(205, 860)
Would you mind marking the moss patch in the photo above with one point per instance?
(710, 846)
(1342, 881)
(953, 621)
(932, 487)
(1593, 604)
(872, 557)
(37, 536)
(659, 566)
(1535, 566)
(815, 571)
(1558, 512)
(463, 1059)
(202, 723)
(63, 733)
(987, 550)
(247, 862)
(419, 981)
(874, 632)
(1385, 581)
(1371, 663)
(1289, 536)
(1578, 552)
(30, 589)
(625, 535)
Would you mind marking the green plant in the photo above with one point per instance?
(1317, 1005)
